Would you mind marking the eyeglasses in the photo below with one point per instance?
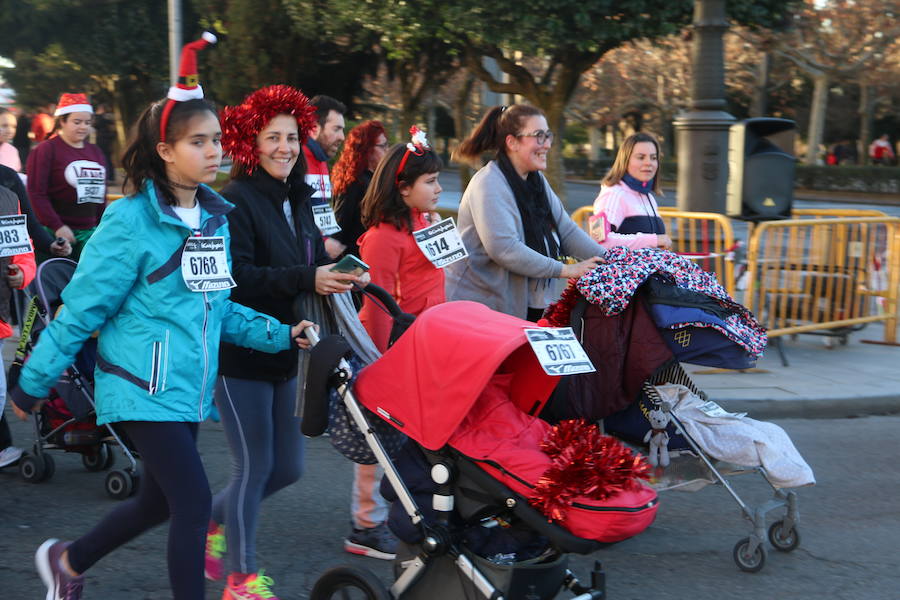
(540, 136)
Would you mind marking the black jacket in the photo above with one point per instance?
(39, 236)
(347, 211)
(270, 265)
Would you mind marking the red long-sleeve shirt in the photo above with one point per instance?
(397, 264)
(56, 173)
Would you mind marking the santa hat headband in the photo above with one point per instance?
(187, 87)
(417, 146)
(70, 103)
(242, 123)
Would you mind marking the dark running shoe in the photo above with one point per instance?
(60, 585)
(374, 542)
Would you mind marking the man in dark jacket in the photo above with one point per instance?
(323, 144)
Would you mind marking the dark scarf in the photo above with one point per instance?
(534, 208)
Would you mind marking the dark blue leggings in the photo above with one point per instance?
(173, 486)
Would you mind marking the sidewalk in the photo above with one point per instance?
(820, 382)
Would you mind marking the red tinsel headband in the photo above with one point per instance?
(417, 147)
(242, 123)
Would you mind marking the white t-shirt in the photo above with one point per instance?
(191, 216)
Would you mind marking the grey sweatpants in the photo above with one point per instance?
(267, 455)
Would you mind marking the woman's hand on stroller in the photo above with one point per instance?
(574, 271)
(16, 394)
(298, 333)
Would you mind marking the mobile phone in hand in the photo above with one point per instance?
(351, 265)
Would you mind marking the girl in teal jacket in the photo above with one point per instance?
(154, 281)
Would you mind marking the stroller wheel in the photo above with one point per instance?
(99, 460)
(747, 561)
(349, 582)
(781, 540)
(35, 469)
(119, 484)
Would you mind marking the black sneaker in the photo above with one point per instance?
(374, 542)
(60, 585)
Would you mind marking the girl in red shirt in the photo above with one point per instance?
(403, 193)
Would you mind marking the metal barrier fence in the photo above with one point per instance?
(706, 238)
(824, 273)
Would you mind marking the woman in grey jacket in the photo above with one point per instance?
(518, 235)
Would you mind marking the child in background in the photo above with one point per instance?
(625, 212)
(17, 272)
(403, 192)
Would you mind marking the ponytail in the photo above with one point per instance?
(140, 161)
(490, 134)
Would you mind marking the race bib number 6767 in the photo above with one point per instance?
(558, 351)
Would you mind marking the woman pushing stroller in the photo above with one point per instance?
(154, 281)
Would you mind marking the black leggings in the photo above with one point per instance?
(173, 486)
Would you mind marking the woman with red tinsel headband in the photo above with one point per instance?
(277, 254)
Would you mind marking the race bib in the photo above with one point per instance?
(321, 185)
(204, 265)
(14, 236)
(558, 351)
(325, 219)
(440, 243)
(89, 180)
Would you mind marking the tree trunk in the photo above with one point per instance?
(461, 122)
(817, 117)
(760, 103)
(866, 106)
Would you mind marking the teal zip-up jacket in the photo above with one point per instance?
(158, 348)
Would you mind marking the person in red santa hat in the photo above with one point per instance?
(67, 176)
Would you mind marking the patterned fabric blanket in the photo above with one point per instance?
(613, 283)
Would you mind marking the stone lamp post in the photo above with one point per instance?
(702, 133)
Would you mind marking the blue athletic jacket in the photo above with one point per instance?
(159, 343)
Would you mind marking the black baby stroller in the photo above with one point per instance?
(637, 362)
(67, 420)
(473, 497)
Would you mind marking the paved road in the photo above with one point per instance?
(849, 527)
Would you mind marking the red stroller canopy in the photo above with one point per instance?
(426, 383)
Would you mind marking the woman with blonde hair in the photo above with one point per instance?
(625, 211)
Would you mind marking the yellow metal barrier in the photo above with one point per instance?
(824, 273)
(706, 238)
(111, 197)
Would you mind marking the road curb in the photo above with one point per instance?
(814, 408)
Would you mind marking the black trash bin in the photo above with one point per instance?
(761, 166)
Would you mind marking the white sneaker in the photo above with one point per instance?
(9, 456)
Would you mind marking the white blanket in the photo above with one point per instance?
(738, 439)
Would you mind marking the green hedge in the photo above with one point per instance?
(872, 180)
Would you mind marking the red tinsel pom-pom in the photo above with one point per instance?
(585, 463)
(559, 313)
(242, 123)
